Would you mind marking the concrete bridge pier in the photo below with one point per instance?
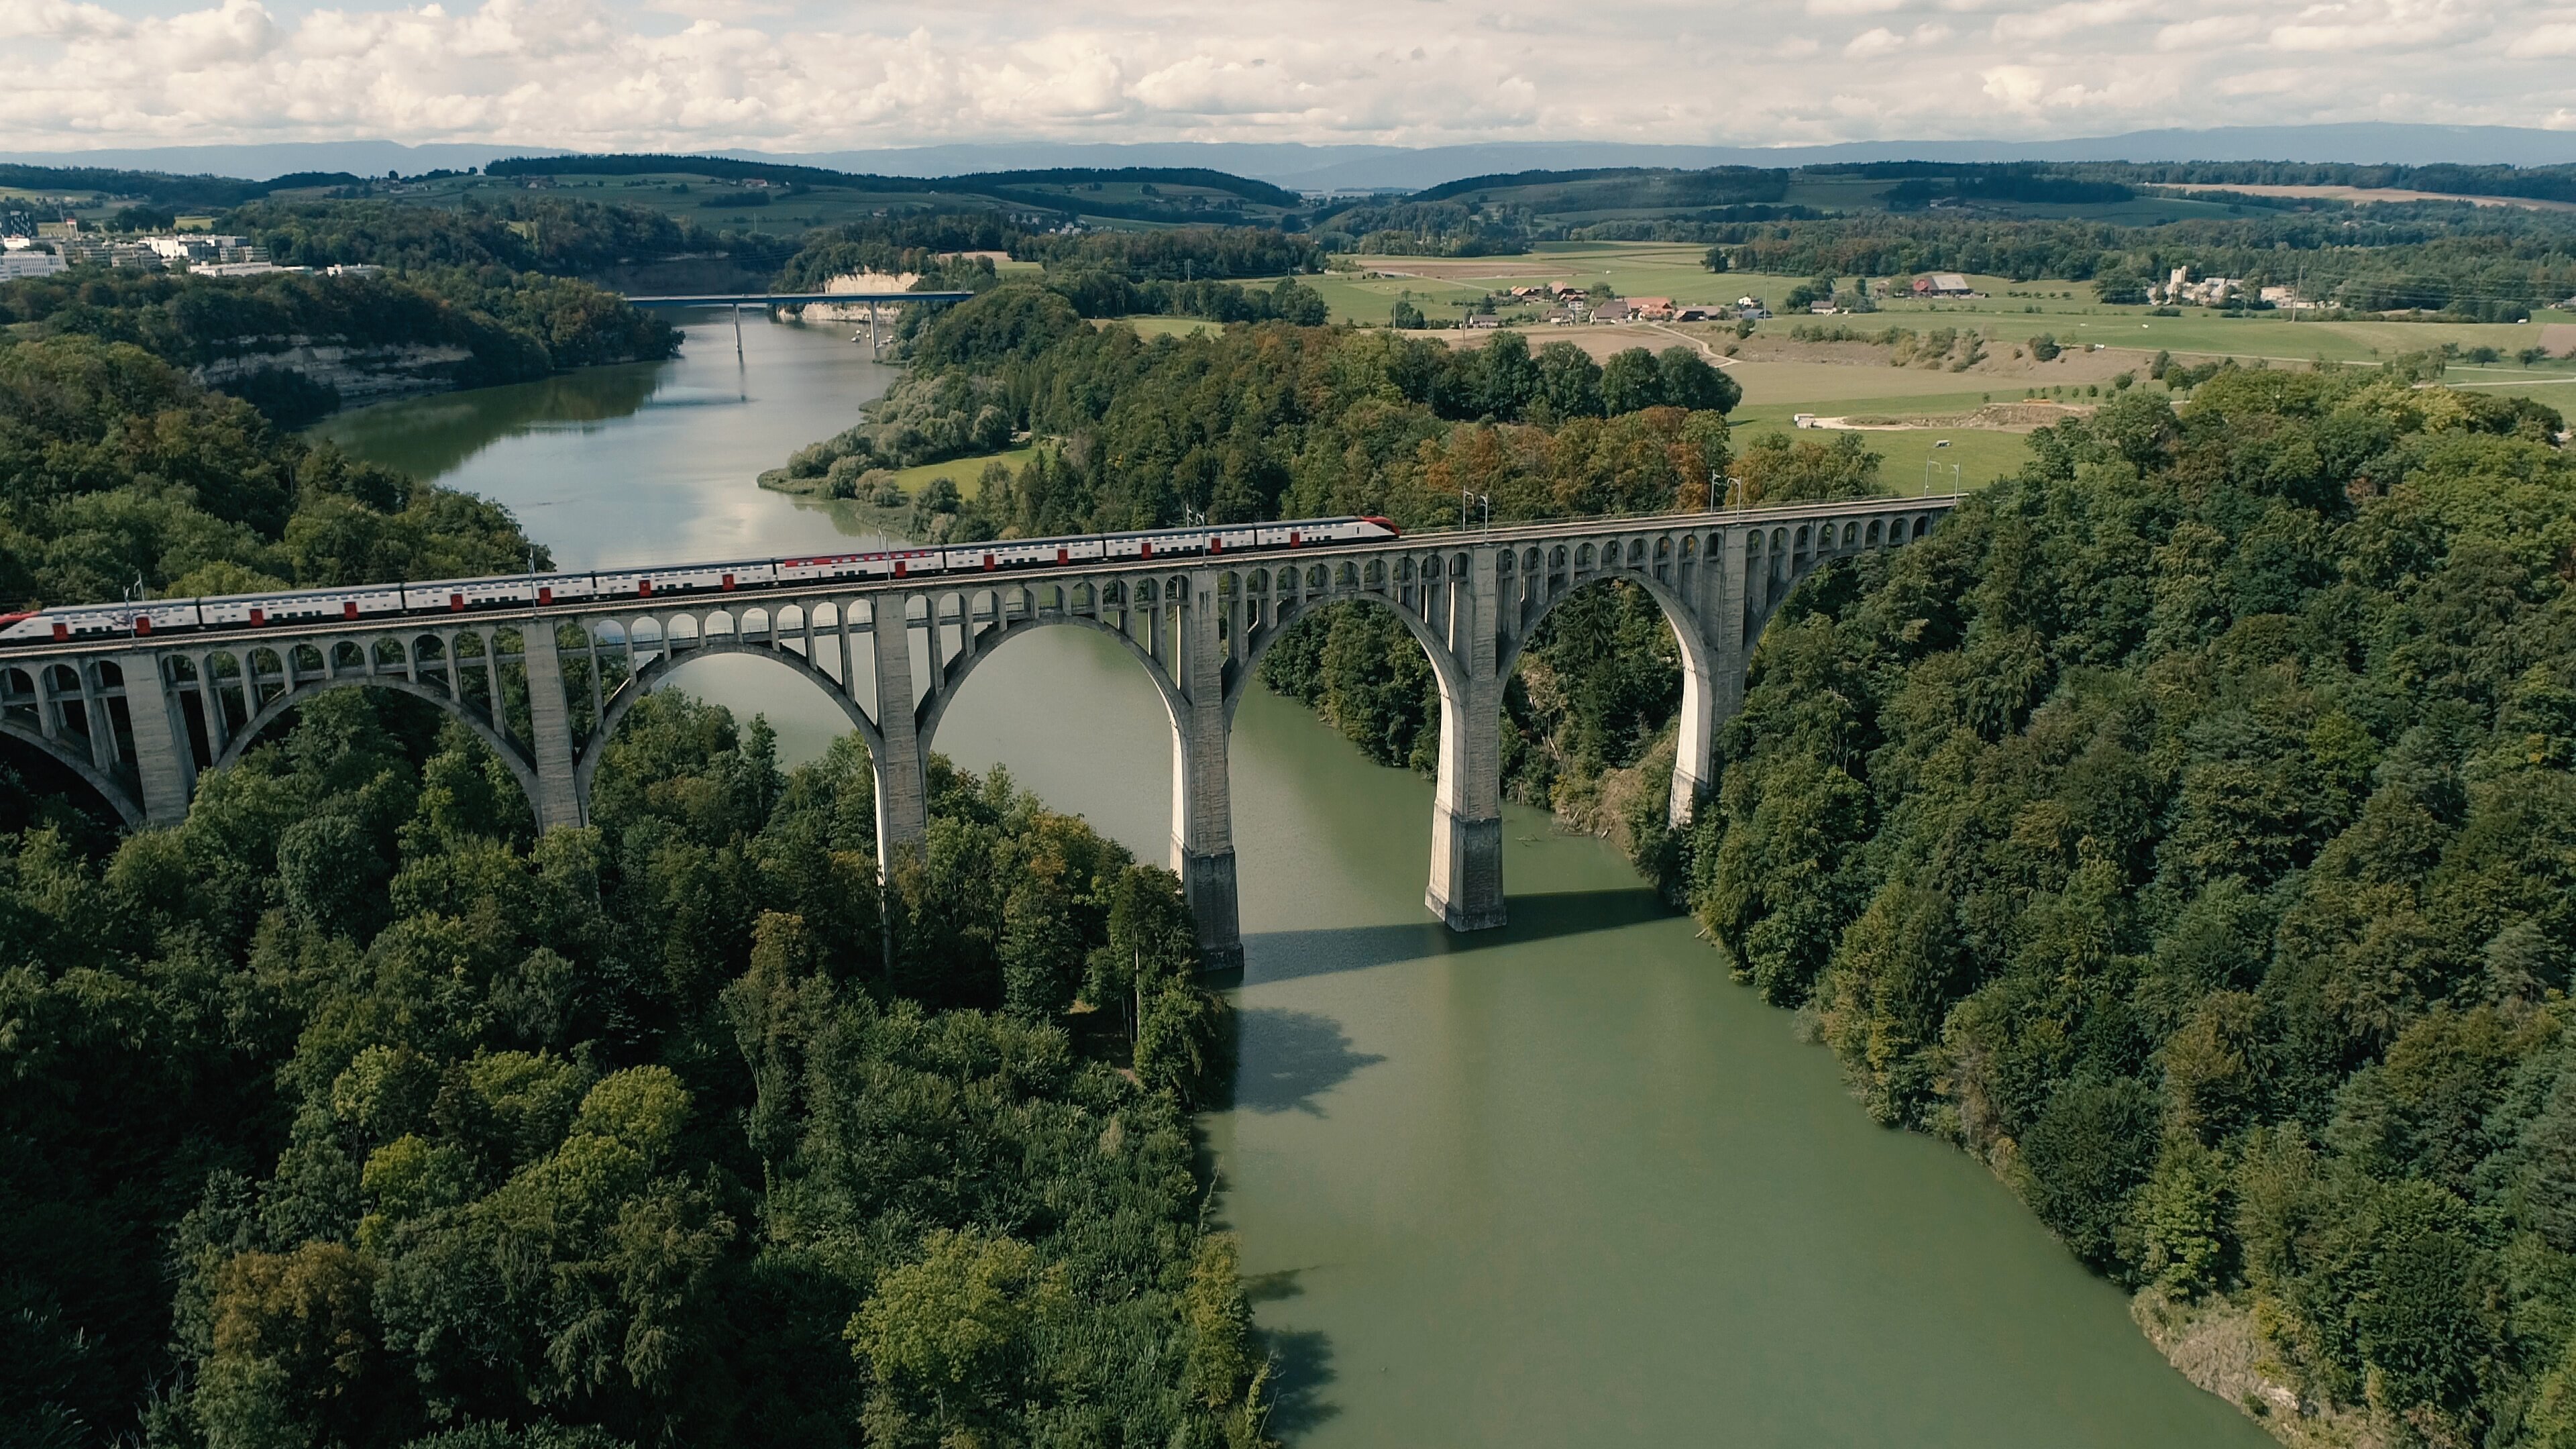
(164, 766)
(1202, 794)
(558, 799)
(1466, 887)
(903, 791)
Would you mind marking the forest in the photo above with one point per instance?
(496, 287)
(1274, 420)
(2488, 264)
(510, 327)
(116, 470)
(349, 1113)
(2187, 829)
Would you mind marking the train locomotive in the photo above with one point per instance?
(145, 618)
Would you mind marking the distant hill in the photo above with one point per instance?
(1366, 167)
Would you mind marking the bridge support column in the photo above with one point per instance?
(1202, 792)
(903, 795)
(558, 799)
(162, 762)
(1712, 673)
(1467, 814)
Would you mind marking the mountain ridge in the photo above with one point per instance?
(1364, 167)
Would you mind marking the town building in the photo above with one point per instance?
(28, 262)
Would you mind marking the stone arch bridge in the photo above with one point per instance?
(140, 720)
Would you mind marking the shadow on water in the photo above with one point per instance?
(1301, 1369)
(1290, 955)
(1286, 1059)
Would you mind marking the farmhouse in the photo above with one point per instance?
(1942, 284)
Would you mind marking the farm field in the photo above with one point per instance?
(1442, 286)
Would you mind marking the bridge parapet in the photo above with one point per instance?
(141, 719)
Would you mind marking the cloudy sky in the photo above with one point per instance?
(789, 76)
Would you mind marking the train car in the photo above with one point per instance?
(97, 621)
(300, 606)
(836, 566)
(1303, 532)
(907, 562)
(645, 583)
(1160, 543)
(1021, 553)
(500, 591)
(460, 596)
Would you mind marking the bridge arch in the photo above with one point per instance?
(1444, 665)
(954, 673)
(107, 786)
(704, 644)
(284, 703)
(1704, 690)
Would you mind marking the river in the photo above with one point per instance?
(1562, 1183)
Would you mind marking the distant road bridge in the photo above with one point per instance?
(792, 299)
(141, 719)
(734, 302)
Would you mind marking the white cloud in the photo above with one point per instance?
(2209, 32)
(2545, 40)
(2059, 21)
(2379, 24)
(833, 74)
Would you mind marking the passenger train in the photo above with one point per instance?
(457, 596)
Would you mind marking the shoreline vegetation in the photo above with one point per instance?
(2182, 830)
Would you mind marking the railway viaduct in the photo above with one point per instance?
(141, 719)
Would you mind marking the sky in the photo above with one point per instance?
(780, 75)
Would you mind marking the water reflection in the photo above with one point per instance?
(436, 435)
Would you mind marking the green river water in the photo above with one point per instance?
(1558, 1184)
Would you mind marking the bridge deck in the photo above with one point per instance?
(1416, 541)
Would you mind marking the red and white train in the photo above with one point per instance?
(457, 596)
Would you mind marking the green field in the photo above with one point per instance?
(1148, 326)
(966, 473)
(1441, 286)
(1981, 455)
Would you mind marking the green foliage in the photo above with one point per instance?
(453, 1137)
(2186, 828)
(114, 466)
(510, 327)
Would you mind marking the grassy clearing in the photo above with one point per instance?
(1147, 326)
(966, 473)
(1981, 455)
